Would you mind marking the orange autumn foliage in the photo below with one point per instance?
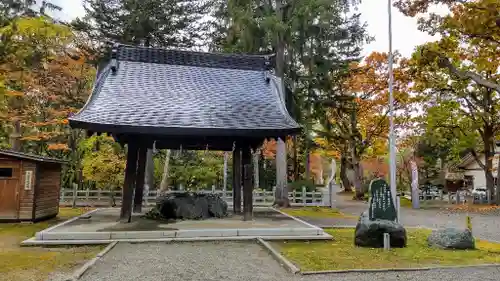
(41, 82)
(269, 148)
(316, 166)
(58, 146)
(369, 83)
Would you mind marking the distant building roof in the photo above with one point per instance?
(28, 156)
(181, 93)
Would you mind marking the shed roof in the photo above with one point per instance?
(181, 93)
(29, 156)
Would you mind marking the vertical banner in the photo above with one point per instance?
(331, 183)
(414, 185)
(224, 175)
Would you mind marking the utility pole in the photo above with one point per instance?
(392, 137)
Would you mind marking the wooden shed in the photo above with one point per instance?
(29, 186)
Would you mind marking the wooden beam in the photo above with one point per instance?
(139, 187)
(246, 159)
(237, 180)
(129, 183)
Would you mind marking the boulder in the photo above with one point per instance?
(451, 238)
(191, 206)
(370, 233)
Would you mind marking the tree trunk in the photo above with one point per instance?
(488, 161)
(281, 195)
(149, 179)
(442, 175)
(308, 164)
(346, 184)
(15, 137)
(357, 179)
(490, 181)
(164, 178)
(497, 194)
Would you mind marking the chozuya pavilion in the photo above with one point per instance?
(186, 99)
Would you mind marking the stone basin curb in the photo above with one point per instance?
(33, 242)
(39, 234)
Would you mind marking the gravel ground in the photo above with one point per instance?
(186, 261)
(234, 261)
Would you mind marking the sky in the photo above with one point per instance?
(406, 36)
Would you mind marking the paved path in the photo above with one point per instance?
(233, 261)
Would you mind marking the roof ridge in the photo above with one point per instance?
(31, 156)
(197, 52)
(124, 52)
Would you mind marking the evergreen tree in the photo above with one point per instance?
(314, 42)
(158, 23)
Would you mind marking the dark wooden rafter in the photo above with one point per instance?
(141, 171)
(129, 184)
(237, 179)
(246, 159)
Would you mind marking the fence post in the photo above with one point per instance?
(61, 198)
(449, 197)
(99, 194)
(304, 196)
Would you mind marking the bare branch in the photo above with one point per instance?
(445, 63)
(479, 162)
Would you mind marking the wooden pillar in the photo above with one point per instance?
(237, 179)
(129, 183)
(246, 159)
(139, 187)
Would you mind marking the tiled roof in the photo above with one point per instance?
(167, 92)
(28, 156)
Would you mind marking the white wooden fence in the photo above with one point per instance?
(260, 197)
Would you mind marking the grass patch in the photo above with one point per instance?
(341, 254)
(405, 202)
(316, 212)
(37, 263)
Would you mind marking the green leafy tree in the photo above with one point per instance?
(192, 169)
(104, 166)
(458, 75)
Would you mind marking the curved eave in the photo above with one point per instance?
(184, 131)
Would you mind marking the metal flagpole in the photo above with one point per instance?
(392, 137)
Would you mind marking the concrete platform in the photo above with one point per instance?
(101, 226)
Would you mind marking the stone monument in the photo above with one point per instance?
(381, 203)
(379, 219)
